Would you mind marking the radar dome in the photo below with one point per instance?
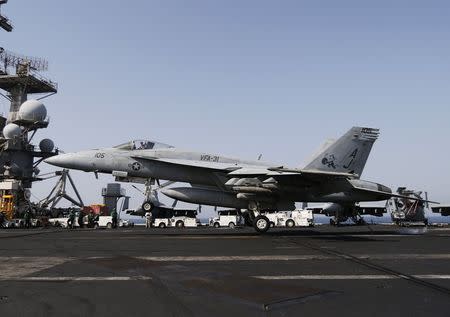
(32, 110)
(11, 131)
(46, 145)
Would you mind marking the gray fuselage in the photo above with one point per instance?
(209, 173)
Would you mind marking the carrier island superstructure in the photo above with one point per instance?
(22, 85)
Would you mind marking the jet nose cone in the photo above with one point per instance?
(61, 160)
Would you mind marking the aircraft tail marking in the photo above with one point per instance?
(348, 154)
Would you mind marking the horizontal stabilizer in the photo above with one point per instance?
(390, 195)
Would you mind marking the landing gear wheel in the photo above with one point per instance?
(261, 224)
(147, 206)
(290, 223)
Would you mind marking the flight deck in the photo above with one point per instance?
(376, 270)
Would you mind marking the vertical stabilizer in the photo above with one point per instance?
(348, 154)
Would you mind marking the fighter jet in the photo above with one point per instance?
(333, 175)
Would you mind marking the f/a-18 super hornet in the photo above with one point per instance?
(333, 175)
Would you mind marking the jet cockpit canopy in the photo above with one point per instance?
(142, 145)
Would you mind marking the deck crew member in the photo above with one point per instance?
(114, 218)
(148, 219)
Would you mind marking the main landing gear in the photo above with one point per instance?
(151, 194)
(260, 222)
(147, 206)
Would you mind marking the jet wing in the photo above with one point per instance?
(226, 167)
(282, 172)
(312, 173)
(286, 176)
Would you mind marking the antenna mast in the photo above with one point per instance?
(5, 23)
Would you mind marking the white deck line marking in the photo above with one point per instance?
(75, 278)
(11, 267)
(153, 237)
(327, 277)
(407, 256)
(351, 277)
(444, 256)
(232, 258)
(22, 266)
(280, 277)
(433, 276)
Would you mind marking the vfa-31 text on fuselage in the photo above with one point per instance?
(333, 175)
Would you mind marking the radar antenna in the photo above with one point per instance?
(12, 60)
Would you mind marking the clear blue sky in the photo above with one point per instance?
(247, 77)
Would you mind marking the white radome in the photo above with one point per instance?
(11, 131)
(46, 145)
(33, 110)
